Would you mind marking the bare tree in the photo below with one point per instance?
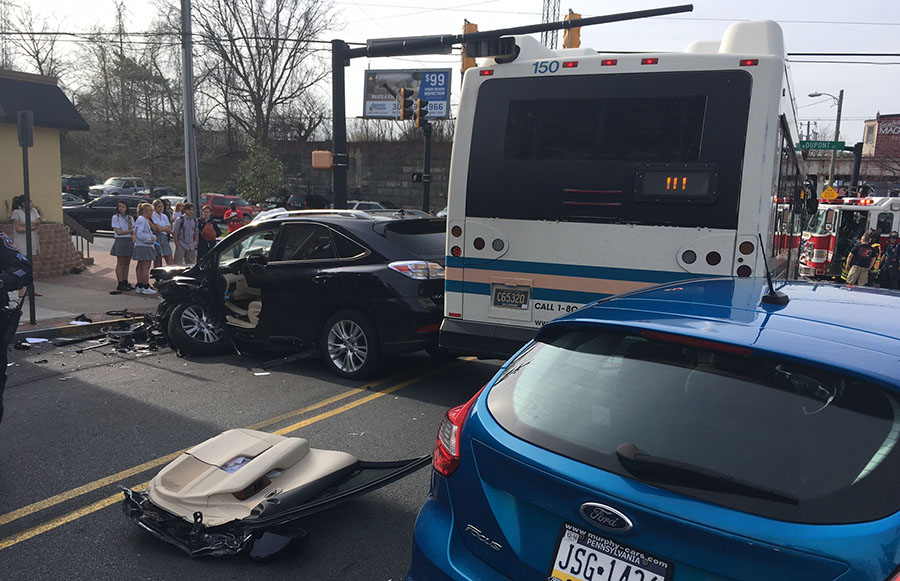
(33, 38)
(259, 61)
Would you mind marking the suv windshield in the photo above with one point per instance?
(806, 444)
(114, 182)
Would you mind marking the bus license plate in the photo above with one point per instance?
(511, 297)
(584, 556)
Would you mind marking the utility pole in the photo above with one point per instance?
(837, 136)
(191, 180)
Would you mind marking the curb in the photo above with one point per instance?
(73, 330)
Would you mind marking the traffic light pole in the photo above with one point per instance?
(426, 169)
(340, 58)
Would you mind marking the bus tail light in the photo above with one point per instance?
(456, 251)
(749, 62)
(486, 73)
(744, 271)
(608, 62)
(570, 64)
(650, 61)
(746, 248)
(446, 455)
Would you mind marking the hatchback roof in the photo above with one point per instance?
(845, 327)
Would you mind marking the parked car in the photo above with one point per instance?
(220, 203)
(364, 205)
(160, 192)
(97, 214)
(689, 431)
(354, 287)
(443, 213)
(279, 200)
(71, 200)
(308, 202)
(78, 185)
(117, 186)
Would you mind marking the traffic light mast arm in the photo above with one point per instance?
(436, 44)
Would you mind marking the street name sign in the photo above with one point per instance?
(821, 145)
(382, 86)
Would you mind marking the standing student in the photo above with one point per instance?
(20, 236)
(177, 212)
(209, 232)
(186, 234)
(123, 246)
(161, 225)
(145, 242)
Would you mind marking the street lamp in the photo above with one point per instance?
(837, 128)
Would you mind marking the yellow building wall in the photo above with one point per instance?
(44, 172)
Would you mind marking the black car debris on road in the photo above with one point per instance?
(352, 286)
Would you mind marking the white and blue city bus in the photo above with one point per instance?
(577, 175)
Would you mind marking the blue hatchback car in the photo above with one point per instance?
(685, 432)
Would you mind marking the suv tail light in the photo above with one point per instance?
(445, 458)
(418, 269)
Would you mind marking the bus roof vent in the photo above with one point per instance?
(760, 37)
(704, 46)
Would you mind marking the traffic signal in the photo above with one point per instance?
(405, 104)
(468, 61)
(421, 112)
(572, 36)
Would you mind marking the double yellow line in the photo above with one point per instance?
(120, 476)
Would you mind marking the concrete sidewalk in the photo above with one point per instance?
(88, 293)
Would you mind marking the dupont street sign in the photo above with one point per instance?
(829, 194)
(382, 87)
(821, 145)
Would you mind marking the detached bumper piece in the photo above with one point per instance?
(242, 492)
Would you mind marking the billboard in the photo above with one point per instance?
(381, 88)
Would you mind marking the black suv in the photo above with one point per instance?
(78, 185)
(353, 286)
(97, 214)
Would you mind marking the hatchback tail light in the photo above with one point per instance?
(418, 269)
(895, 576)
(445, 458)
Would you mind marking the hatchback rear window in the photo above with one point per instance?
(422, 236)
(806, 444)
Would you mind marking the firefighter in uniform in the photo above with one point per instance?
(15, 273)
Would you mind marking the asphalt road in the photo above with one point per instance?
(79, 425)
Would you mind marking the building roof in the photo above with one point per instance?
(25, 92)
(851, 328)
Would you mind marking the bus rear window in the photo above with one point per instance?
(638, 128)
(574, 148)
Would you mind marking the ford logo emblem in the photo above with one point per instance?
(606, 517)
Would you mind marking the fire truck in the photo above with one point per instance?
(836, 226)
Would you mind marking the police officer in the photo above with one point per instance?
(15, 273)
(891, 263)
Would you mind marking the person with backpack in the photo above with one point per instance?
(209, 232)
(186, 234)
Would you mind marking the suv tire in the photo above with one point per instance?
(350, 345)
(195, 332)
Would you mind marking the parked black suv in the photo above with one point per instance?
(354, 286)
(78, 185)
(97, 214)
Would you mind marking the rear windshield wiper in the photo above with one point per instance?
(665, 470)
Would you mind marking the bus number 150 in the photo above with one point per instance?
(544, 67)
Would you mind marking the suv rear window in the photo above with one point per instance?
(422, 236)
(826, 439)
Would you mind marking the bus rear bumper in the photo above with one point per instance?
(487, 341)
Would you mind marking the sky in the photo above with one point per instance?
(809, 26)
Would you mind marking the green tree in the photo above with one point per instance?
(259, 175)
